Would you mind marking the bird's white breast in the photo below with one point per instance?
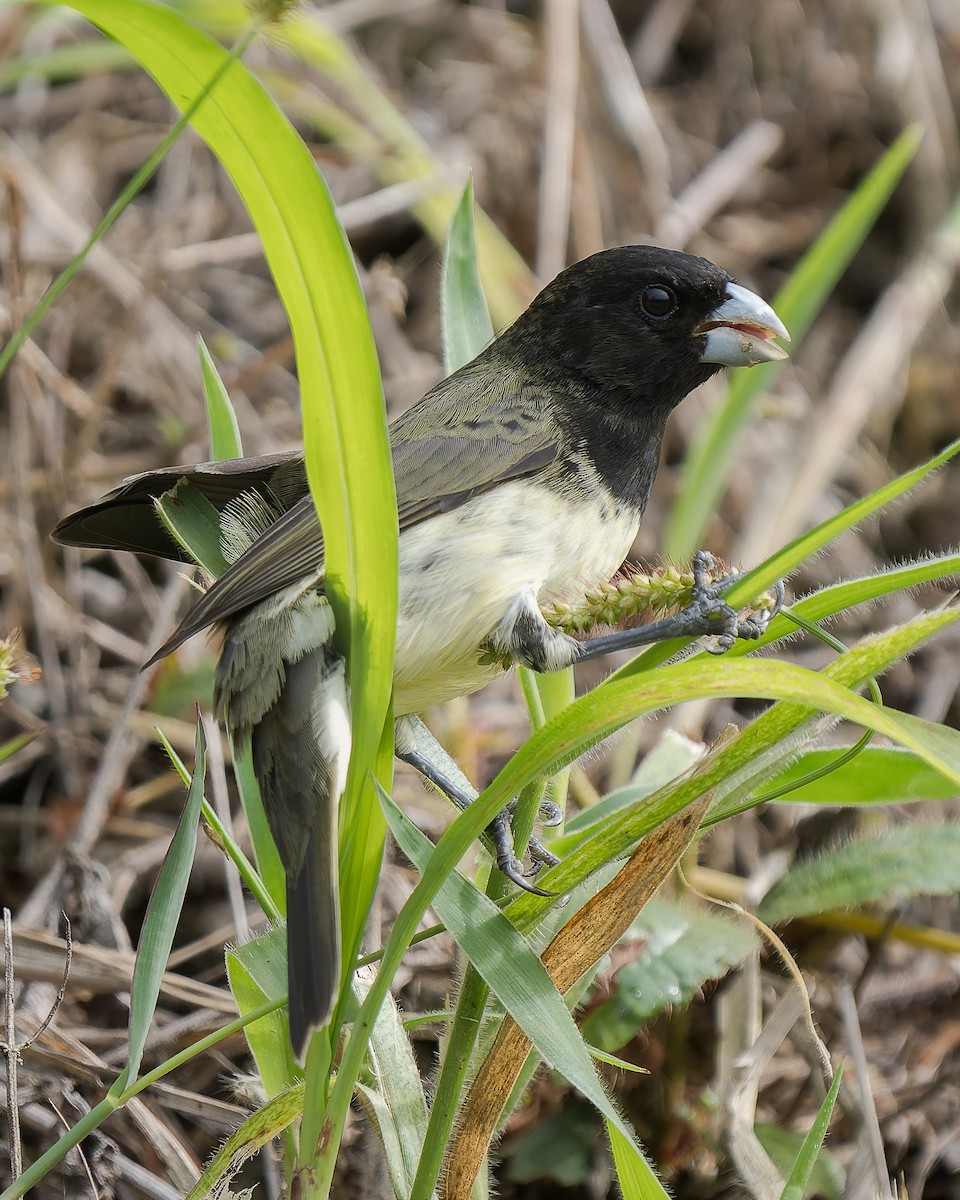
(460, 571)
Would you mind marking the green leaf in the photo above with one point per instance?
(635, 1175)
(609, 707)
(220, 834)
(397, 1100)
(814, 1172)
(163, 916)
(899, 863)
(465, 325)
(679, 946)
(878, 775)
(618, 700)
(265, 850)
(808, 544)
(259, 1128)
(346, 444)
(225, 439)
(257, 972)
(670, 757)
(508, 965)
(829, 600)
(798, 302)
(194, 522)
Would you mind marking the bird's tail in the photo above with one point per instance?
(313, 941)
(281, 685)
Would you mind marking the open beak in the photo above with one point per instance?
(740, 331)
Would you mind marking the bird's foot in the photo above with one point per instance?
(506, 859)
(709, 614)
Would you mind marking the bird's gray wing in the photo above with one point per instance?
(475, 430)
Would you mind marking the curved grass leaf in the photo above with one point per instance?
(194, 523)
(722, 768)
(346, 445)
(878, 775)
(257, 973)
(397, 1102)
(635, 1175)
(802, 548)
(9, 748)
(259, 1128)
(611, 706)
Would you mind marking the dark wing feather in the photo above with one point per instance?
(125, 519)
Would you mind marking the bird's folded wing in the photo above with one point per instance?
(292, 552)
(466, 437)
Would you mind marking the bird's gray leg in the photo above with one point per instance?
(707, 615)
(417, 746)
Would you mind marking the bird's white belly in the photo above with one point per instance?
(460, 571)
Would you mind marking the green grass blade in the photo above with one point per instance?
(257, 973)
(582, 725)
(803, 547)
(194, 522)
(257, 1130)
(64, 63)
(608, 708)
(635, 1175)
(798, 302)
(397, 1100)
(9, 748)
(510, 968)
(248, 873)
(813, 1143)
(810, 543)
(465, 325)
(346, 445)
(265, 850)
(163, 915)
(878, 775)
(192, 102)
(225, 441)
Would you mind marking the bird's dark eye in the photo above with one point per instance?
(658, 301)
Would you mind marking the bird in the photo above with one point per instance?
(521, 479)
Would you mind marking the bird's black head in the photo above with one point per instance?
(643, 326)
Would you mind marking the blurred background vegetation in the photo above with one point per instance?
(732, 128)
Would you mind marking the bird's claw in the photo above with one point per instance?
(708, 605)
(510, 865)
